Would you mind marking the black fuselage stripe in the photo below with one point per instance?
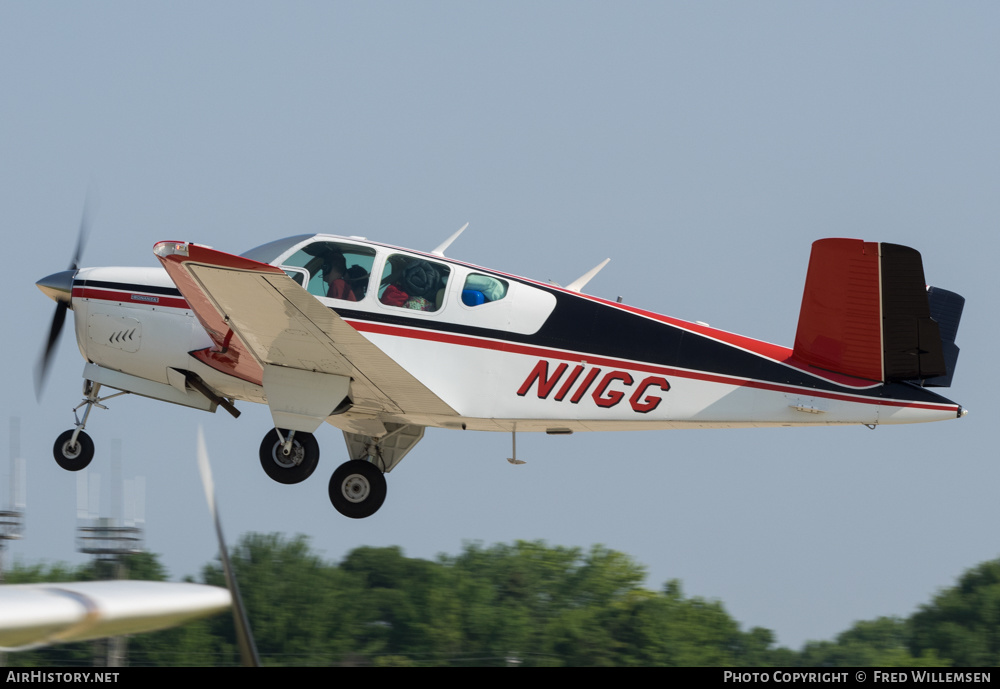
(592, 328)
(129, 287)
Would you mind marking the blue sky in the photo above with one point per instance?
(703, 147)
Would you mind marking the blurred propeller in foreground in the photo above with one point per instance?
(248, 649)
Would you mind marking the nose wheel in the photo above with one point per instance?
(73, 454)
(357, 489)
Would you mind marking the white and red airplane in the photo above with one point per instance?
(382, 342)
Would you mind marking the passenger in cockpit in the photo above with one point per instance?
(357, 277)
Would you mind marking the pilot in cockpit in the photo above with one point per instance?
(334, 273)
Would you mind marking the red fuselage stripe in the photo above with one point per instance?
(129, 297)
(529, 350)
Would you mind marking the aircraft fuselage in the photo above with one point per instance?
(541, 357)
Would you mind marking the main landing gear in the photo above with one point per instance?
(357, 488)
(73, 449)
(289, 456)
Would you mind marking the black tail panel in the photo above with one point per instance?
(946, 308)
(910, 337)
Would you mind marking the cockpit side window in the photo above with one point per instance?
(337, 270)
(482, 289)
(415, 283)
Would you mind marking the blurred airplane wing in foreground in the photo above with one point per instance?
(34, 615)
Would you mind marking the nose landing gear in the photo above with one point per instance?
(73, 449)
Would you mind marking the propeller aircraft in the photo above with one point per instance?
(382, 342)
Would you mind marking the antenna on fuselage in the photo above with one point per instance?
(581, 282)
(439, 251)
(513, 439)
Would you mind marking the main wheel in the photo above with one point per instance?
(294, 467)
(73, 457)
(357, 489)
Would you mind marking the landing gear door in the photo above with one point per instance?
(387, 451)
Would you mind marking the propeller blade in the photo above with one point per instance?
(83, 232)
(59, 286)
(42, 366)
(244, 636)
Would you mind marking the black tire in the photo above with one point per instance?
(73, 458)
(294, 468)
(357, 489)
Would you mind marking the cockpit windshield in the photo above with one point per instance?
(269, 253)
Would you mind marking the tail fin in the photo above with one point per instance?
(866, 313)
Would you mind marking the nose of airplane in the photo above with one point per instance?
(58, 286)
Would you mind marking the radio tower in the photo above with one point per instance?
(110, 539)
(12, 514)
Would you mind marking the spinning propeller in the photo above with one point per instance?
(244, 637)
(59, 288)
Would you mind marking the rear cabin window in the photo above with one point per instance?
(413, 283)
(483, 289)
(337, 270)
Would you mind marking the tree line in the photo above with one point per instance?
(520, 604)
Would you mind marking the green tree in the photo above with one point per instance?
(883, 642)
(405, 606)
(962, 623)
(289, 594)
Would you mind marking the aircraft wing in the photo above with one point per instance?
(33, 615)
(258, 316)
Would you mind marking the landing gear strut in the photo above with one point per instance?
(357, 489)
(74, 449)
(290, 456)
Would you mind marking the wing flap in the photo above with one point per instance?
(258, 316)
